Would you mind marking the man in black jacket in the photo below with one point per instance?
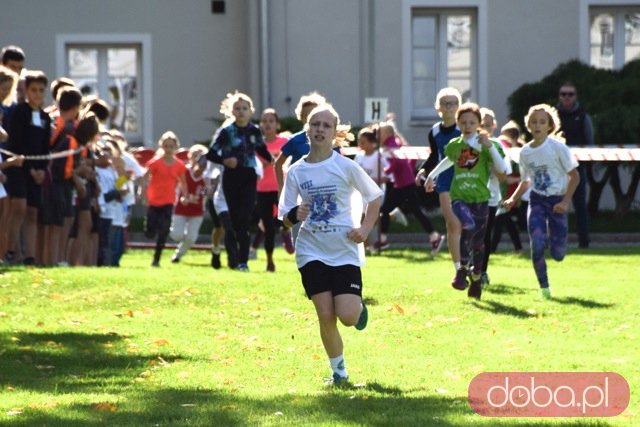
(578, 131)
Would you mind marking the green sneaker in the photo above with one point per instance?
(363, 319)
(545, 293)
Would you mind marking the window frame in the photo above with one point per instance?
(139, 41)
(412, 8)
(615, 7)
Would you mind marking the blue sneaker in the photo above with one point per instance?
(363, 319)
(243, 267)
(337, 380)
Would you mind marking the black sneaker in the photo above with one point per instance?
(29, 261)
(460, 281)
(215, 260)
(10, 257)
(475, 290)
(175, 259)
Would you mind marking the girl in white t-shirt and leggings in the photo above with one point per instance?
(319, 192)
(548, 166)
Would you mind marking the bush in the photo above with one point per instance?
(612, 98)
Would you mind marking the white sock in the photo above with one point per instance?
(337, 365)
(457, 265)
(216, 250)
(383, 237)
(434, 236)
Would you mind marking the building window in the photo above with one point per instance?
(442, 54)
(111, 73)
(614, 36)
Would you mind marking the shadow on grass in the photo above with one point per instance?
(585, 303)
(70, 362)
(503, 309)
(408, 254)
(180, 407)
(188, 407)
(505, 290)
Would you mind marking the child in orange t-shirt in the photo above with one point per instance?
(158, 191)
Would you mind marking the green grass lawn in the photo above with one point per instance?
(184, 345)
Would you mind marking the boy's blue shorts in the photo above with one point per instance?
(443, 181)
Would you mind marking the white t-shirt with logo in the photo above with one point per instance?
(547, 166)
(373, 164)
(331, 187)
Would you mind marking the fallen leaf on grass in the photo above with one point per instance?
(46, 405)
(56, 296)
(442, 390)
(104, 407)
(160, 342)
(397, 308)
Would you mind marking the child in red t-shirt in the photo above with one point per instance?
(158, 191)
(188, 211)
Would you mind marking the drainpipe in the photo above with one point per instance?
(264, 54)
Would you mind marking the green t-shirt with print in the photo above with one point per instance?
(471, 174)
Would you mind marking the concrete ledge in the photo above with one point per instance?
(138, 241)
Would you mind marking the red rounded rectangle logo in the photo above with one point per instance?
(549, 394)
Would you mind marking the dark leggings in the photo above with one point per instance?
(487, 237)
(473, 217)
(239, 186)
(507, 221)
(395, 198)
(158, 223)
(267, 203)
(546, 227)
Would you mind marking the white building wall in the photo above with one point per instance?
(315, 45)
(197, 57)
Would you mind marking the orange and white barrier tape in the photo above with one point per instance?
(620, 153)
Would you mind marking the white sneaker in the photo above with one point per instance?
(398, 216)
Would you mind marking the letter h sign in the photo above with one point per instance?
(375, 109)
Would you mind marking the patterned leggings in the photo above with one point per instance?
(473, 217)
(540, 218)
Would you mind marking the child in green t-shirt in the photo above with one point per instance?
(472, 155)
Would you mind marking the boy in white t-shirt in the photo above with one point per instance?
(548, 166)
(329, 253)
